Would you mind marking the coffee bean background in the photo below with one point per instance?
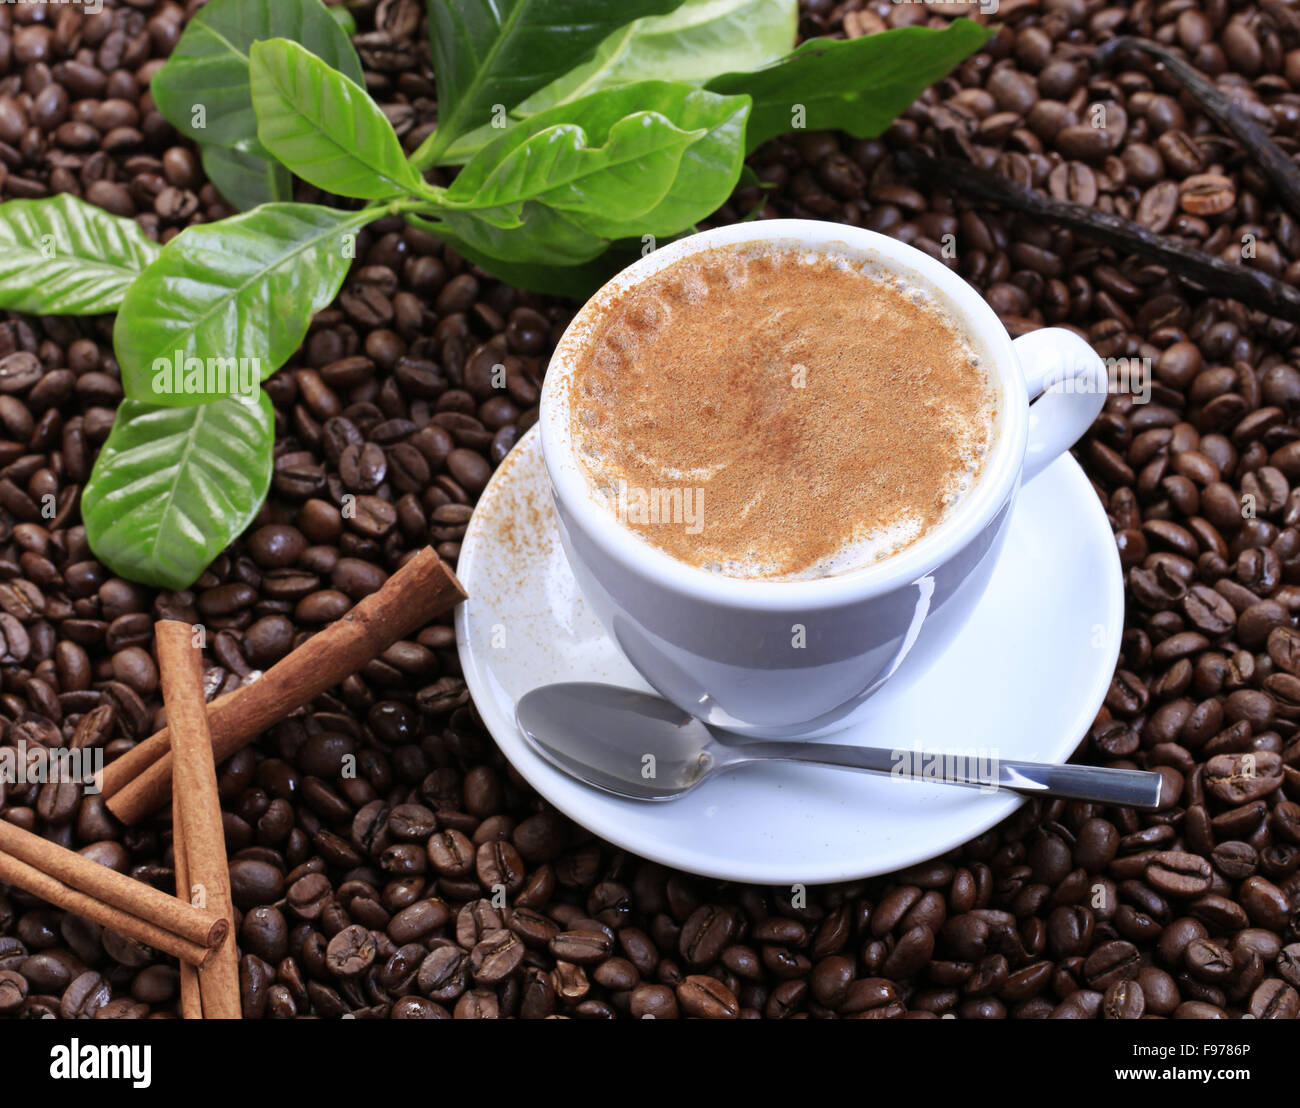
(373, 894)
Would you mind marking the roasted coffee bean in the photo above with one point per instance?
(254, 882)
(1235, 860)
(351, 952)
(1276, 1000)
(84, 996)
(1240, 778)
(1208, 611)
(1178, 874)
(417, 921)
(499, 866)
(707, 998)
(451, 853)
(705, 935)
(583, 948)
(444, 973)
(1288, 964)
(1111, 962)
(653, 1002)
(1265, 904)
(1208, 960)
(496, 956)
(13, 991)
(1124, 1000)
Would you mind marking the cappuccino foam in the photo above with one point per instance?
(779, 414)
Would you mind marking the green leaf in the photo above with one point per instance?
(575, 281)
(241, 288)
(614, 163)
(246, 175)
(699, 40)
(542, 237)
(488, 55)
(173, 486)
(710, 167)
(343, 18)
(859, 86)
(603, 182)
(206, 78)
(324, 127)
(62, 256)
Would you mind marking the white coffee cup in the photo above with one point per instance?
(800, 658)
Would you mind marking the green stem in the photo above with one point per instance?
(419, 220)
(427, 153)
(430, 204)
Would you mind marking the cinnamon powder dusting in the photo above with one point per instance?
(778, 414)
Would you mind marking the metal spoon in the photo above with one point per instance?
(640, 746)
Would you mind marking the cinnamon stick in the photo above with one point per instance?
(203, 839)
(21, 875)
(137, 783)
(191, 1001)
(201, 929)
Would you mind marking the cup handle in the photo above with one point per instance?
(1070, 381)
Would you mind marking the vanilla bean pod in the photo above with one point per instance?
(1252, 286)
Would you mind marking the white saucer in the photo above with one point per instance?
(1023, 680)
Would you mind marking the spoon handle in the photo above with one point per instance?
(1129, 788)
